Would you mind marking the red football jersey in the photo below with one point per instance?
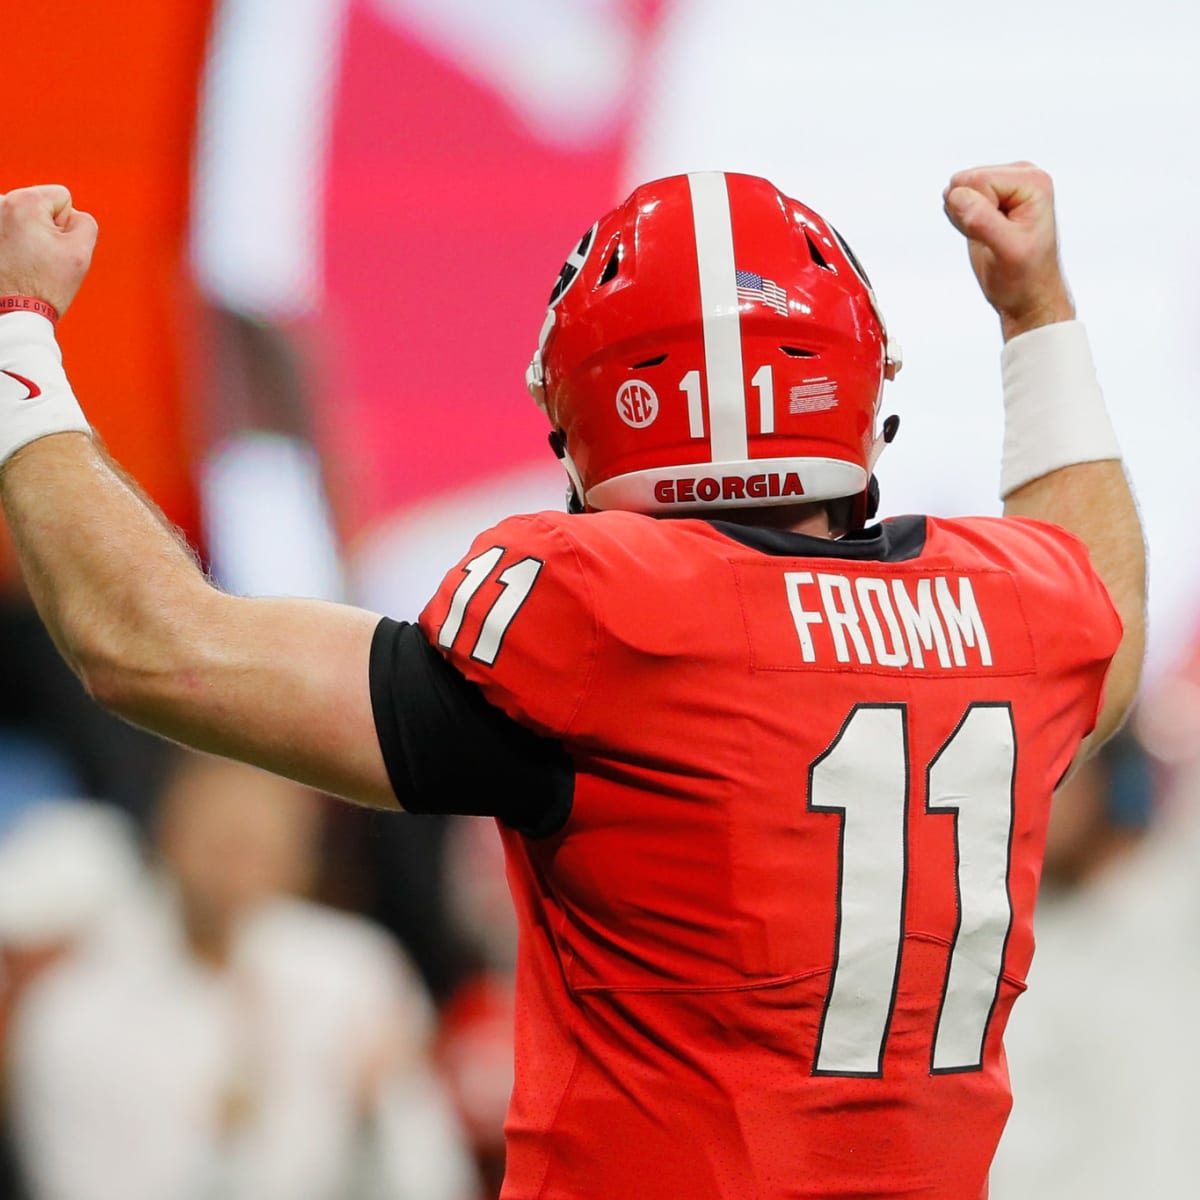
(772, 952)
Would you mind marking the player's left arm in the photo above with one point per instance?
(1062, 463)
(1093, 500)
(280, 683)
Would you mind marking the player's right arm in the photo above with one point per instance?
(279, 683)
(327, 694)
(1007, 215)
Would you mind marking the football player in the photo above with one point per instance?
(772, 781)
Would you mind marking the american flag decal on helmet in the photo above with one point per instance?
(752, 286)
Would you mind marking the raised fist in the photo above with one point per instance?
(1007, 215)
(45, 245)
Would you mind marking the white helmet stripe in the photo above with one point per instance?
(725, 389)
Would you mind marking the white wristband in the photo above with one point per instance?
(35, 397)
(1054, 414)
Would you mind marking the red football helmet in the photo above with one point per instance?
(713, 344)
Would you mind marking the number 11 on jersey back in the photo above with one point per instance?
(864, 778)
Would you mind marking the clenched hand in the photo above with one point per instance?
(1006, 214)
(45, 244)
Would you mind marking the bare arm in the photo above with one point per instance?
(279, 683)
(1007, 215)
(1093, 501)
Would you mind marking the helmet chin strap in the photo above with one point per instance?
(888, 435)
(893, 362)
(535, 378)
(535, 381)
(558, 443)
(871, 508)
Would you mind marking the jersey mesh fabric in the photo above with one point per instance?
(681, 934)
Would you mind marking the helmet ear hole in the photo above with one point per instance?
(818, 258)
(612, 267)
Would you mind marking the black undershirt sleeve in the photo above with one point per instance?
(448, 750)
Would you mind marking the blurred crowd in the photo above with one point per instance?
(199, 996)
(214, 985)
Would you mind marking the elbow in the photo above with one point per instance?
(99, 655)
(1110, 722)
(1123, 682)
(109, 680)
(138, 672)
(126, 682)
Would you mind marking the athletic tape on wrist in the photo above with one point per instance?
(35, 397)
(1054, 413)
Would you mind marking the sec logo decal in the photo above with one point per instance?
(637, 404)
